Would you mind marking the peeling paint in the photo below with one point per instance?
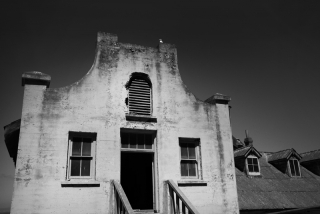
(98, 103)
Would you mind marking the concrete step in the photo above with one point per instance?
(143, 211)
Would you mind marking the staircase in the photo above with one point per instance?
(178, 202)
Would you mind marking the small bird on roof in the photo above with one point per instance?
(160, 40)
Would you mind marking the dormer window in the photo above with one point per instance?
(287, 161)
(247, 160)
(253, 165)
(294, 168)
(139, 95)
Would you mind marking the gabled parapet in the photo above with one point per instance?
(165, 47)
(162, 112)
(109, 38)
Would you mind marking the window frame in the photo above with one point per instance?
(196, 160)
(247, 165)
(88, 135)
(290, 170)
(136, 133)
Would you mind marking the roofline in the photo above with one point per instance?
(316, 208)
(310, 151)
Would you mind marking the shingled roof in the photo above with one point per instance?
(237, 143)
(276, 190)
(245, 151)
(284, 154)
(310, 156)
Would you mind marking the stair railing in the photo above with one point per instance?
(121, 202)
(179, 203)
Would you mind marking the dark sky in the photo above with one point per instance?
(264, 54)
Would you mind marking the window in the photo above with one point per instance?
(136, 140)
(139, 95)
(81, 160)
(294, 168)
(189, 153)
(253, 165)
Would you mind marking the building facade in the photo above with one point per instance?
(128, 126)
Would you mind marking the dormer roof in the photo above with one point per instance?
(237, 143)
(283, 155)
(310, 156)
(11, 137)
(245, 151)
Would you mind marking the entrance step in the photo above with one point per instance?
(139, 212)
(143, 211)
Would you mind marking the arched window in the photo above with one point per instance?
(139, 95)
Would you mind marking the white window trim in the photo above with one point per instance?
(195, 141)
(93, 155)
(247, 168)
(289, 168)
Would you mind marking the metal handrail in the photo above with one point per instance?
(122, 203)
(179, 196)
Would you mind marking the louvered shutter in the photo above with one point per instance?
(139, 97)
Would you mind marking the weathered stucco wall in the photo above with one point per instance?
(96, 103)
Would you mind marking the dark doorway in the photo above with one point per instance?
(136, 179)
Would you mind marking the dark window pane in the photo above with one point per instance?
(133, 140)
(250, 167)
(124, 140)
(140, 141)
(148, 141)
(255, 161)
(86, 147)
(256, 168)
(148, 146)
(184, 151)
(76, 146)
(133, 146)
(192, 151)
(85, 167)
(184, 169)
(296, 166)
(192, 169)
(75, 167)
(292, 168)
(249, 160)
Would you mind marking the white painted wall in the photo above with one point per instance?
(96, 103)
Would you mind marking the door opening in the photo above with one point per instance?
(137, 179)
